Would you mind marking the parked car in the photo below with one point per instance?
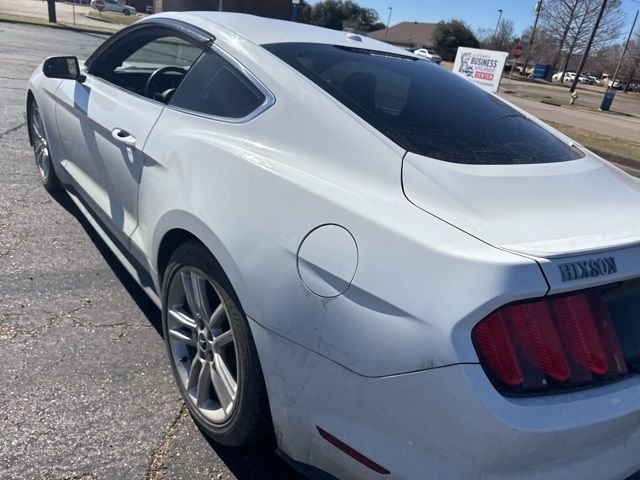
(401, 275)
(115, 6)
(594, 80)
(617, 84)
(569, 76)
(429, 55)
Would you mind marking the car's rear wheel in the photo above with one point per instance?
(127, 11)
(41, 149)
(211, 350)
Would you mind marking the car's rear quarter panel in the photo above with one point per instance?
(255, 190)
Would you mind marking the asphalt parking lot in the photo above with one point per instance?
(86, 391)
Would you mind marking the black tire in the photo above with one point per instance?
(44, 162)
(127, 12)
(250, 420)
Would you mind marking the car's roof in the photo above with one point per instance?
(263, 31)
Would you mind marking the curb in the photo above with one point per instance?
(62, 26)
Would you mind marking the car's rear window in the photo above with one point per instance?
(423, 107)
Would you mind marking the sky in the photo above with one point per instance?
(477, 13)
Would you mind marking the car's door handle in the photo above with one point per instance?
(123, 136)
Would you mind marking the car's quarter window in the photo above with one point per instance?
(215, 87)
(424, 108)
(150, 62)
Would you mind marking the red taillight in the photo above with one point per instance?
(550, 344)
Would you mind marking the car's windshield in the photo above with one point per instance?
(424, 108)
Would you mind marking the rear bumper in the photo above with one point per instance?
(445, 423)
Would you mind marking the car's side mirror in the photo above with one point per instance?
(66, 68)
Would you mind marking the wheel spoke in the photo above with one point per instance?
(182, 319)
(187, 286)
(194, 373)
(39, 154)
(181, 337)
(37, 124)
(224, 385)
(204, 384)
(217, 317)
(224, 339)
(195, 289)
(181, 323)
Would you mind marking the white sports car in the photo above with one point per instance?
(394, 272)
(114, 6)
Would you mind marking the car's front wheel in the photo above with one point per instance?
(41, 149)
(211, 349)
(127, 11)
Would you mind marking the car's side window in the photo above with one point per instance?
(151, 63)
(215, 87)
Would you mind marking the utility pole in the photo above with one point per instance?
(386, 30)
(495, 33)
(626, 46)
(585, 55)
(220, 6)
(52, 10)
(608, 96)
(538, 9)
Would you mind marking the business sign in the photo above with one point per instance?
(482, 67)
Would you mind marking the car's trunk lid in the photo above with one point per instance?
(545, 210)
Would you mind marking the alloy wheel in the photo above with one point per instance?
(202, 344)
(40, 144)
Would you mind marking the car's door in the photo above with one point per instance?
(104, 122)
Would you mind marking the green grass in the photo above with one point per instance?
(618, 150)
(111, 17)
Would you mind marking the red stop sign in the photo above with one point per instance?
(517, 52)
(100, 5)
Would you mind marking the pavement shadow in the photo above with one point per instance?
(258, 461)
(146, 306)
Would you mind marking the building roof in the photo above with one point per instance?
(408, 33)
(262, 31)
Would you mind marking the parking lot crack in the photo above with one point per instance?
(81, 476)
(158, 466)
(12, 129)
(8, 330)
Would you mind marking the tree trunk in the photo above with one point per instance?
(633, 73)
(574, 42)
(564, 39)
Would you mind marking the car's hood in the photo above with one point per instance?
(545, 210)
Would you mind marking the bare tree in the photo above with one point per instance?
(630, 65)
(556, 20)
(503, 39)
(570, 22)
(543, 49)
(606, 59)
